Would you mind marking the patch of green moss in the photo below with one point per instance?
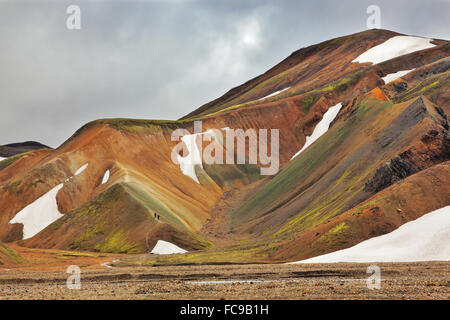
(117, 242)
(338, 229)
(309, 101)
(11, 254)
(345, 82)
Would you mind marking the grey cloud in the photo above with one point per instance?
(161, 59)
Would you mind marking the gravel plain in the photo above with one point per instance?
(427, 280)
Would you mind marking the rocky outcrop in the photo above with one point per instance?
(411, 161)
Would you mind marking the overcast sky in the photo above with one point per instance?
(162, 59)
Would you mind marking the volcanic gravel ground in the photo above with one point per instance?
(427, 280)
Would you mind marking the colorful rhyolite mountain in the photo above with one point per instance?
(364, 149)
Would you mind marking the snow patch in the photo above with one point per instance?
(39, 214)
(274, 94)
(105, 177)
(321, 128)
(194, 158)
(1, 158)
(164, 247)
(394, 76)
(424, 239)
(79, 171)
(394, 47)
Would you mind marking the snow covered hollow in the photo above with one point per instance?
(424, 239)
(394, 47)
(275, 93)
(39, 214)
(194, 158)
(164, 247)
(394, 76)
(105, 177)
(321, 128)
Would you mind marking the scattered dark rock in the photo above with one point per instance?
(411, 161)
(390, 172)
(400, 87)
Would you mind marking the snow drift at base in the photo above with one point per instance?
(164, 247)
(424, 239)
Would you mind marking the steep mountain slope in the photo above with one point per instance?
(119, 191)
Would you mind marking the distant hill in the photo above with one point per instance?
(9, 256)
(12, 149)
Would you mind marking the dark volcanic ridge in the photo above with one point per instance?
(12, 149)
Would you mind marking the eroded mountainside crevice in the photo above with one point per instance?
(433, 148)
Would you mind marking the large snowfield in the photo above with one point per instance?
(321, 128)
(424, 239)
(39, 214)
(394, 47)
(164, 247)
